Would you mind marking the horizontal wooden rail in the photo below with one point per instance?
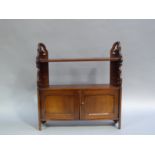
(79, 59)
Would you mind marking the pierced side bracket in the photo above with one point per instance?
(42, 73)
(115, 67)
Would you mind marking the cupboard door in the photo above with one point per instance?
(99, 104)
(61, 105)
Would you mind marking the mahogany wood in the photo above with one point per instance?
(79, 102)
(99, 104)
(79, 59)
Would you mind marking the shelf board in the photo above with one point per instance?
(79, 59)
(79, 86)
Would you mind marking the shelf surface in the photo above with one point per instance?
(79, 59)
(79, 86)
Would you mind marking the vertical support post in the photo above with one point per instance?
(42, 77)
(43, 73)
(115, 74)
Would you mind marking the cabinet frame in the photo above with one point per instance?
(71, 100)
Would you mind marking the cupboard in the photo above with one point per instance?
(79, 102)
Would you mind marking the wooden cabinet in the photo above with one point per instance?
(79, 102)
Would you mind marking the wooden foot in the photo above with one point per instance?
(39, 125)
(43, 122)
(115, 121)
(119, 124)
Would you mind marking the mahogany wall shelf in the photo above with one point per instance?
(79, 102)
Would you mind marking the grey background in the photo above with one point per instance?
(76, 38)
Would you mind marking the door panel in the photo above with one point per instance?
(99, 104)
(61, 106)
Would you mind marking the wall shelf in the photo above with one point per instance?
(82, 101)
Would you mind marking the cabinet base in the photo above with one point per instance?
(117, 123)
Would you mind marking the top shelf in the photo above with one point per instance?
(79, 59)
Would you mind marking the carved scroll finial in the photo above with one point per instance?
(115, 50)
(42, 51)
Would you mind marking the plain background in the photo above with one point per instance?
(76, 38)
